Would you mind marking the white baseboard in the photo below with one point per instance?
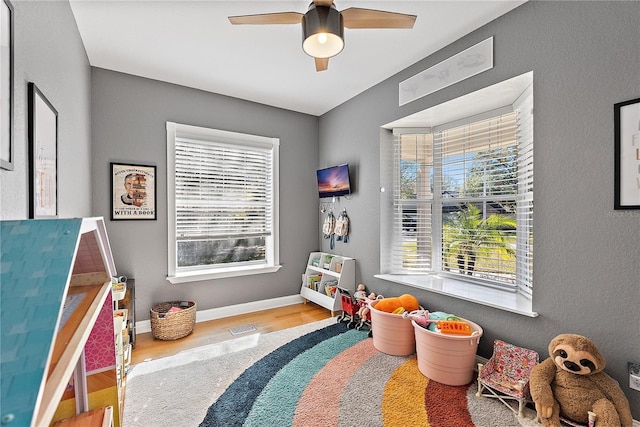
(636, 423)
(143, 326)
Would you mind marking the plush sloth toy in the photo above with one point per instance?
(571, 382)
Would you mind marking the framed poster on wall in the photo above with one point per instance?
(43, 156)
(627, 154)
(133, 192)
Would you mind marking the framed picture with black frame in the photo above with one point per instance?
(627, 154)
(43, 155)
(133, 192)
(6, 86)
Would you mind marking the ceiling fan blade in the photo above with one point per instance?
(356, 17)
(322, 64)
(326, 3)
(267, 18)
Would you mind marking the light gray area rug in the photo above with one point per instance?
(178, 390)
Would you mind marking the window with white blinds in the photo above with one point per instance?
(413, 203)
(222, 199)
(463, 201)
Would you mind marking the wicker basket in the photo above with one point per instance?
(172, 326)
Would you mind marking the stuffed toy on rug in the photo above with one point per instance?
(571, 382)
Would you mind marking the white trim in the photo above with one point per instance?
(511, 301)
(176, 274)
(144, 326)
(171, 198)
(221, 273)
(197, 132)
(471, 61)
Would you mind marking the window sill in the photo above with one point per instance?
(513, 302)
(196, 276)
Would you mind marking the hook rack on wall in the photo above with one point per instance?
(329, 206)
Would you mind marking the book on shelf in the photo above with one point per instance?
(330, 287)
(313, 281)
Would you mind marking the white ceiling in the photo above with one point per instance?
(192, 43)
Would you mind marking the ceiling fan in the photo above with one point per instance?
(323, 26)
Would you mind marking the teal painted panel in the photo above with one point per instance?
(36, 260)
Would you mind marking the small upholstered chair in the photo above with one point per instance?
(505, 376)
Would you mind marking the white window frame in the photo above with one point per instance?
(435, 200)
(518, 299)
(190, 274)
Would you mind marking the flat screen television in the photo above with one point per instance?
(334, 181)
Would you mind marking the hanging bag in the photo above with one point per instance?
(328, 228)
(342, 227)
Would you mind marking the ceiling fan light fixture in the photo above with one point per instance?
(322, 31)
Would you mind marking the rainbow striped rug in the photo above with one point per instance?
(335, 377)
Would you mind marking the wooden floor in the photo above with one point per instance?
(213, 331)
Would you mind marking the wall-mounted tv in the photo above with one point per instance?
(334, 181)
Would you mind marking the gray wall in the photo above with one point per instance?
(585, 57)
(129, 125)
(49, 52)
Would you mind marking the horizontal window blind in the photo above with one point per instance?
(222, 197)
(463, 200)
(222, 190)
(479, 181)
(524, 206)
(413, 197)
(479, 159)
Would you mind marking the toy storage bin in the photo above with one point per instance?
(447, 359)
(392, 334)
(167, 325)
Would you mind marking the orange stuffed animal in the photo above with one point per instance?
(406, 301)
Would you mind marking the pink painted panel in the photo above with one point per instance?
(100, 350)
(89, 257)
